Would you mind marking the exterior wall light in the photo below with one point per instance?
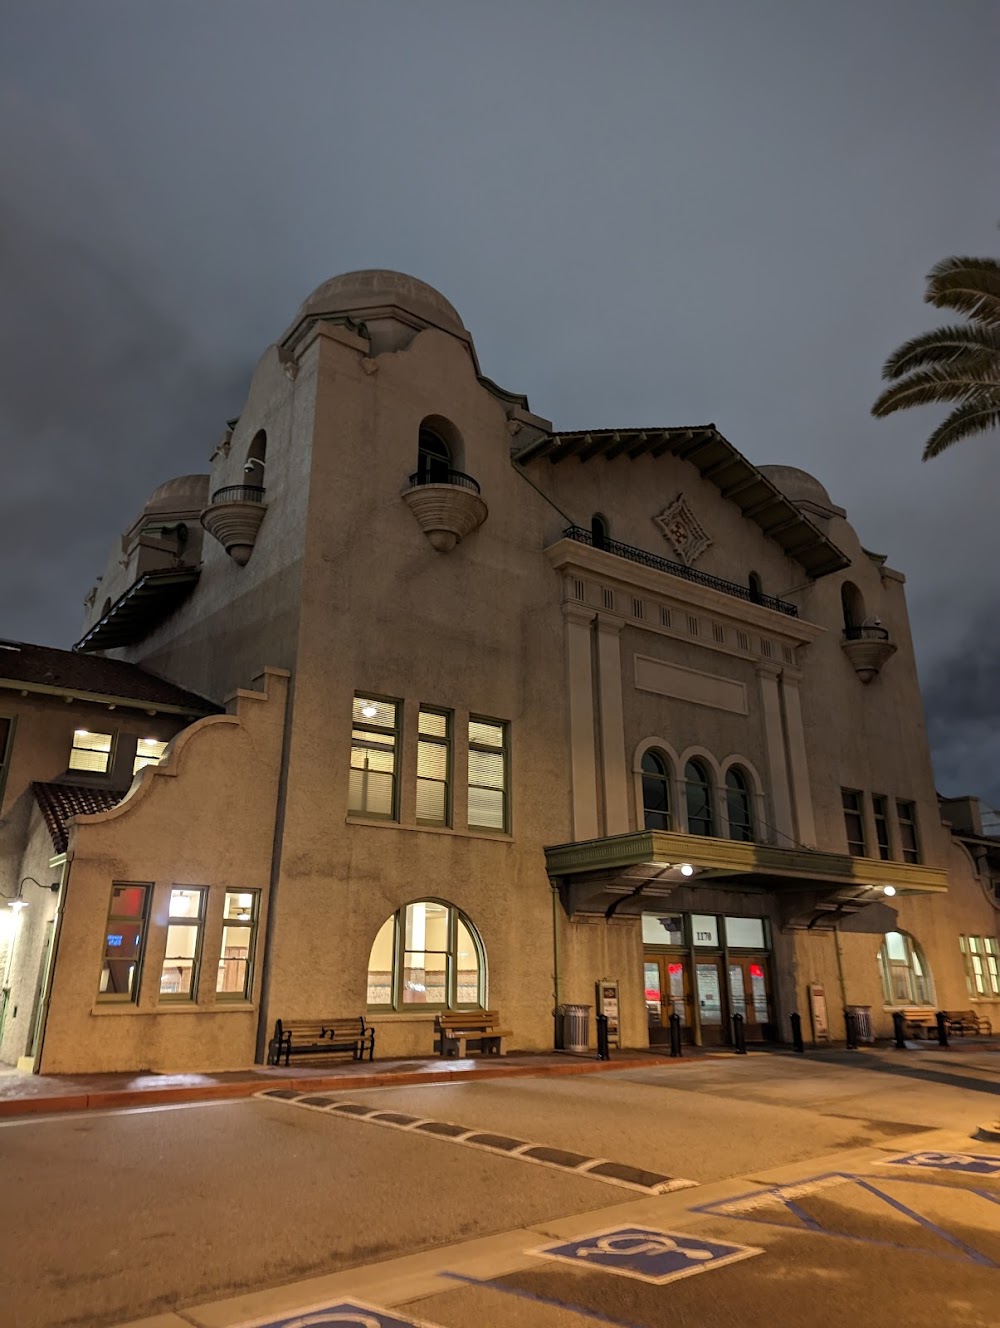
(888, 889)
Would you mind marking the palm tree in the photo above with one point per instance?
(952, 364)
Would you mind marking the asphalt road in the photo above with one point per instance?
(112, 1217)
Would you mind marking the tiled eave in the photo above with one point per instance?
(717, 460)
(621, 862)
(145, 604)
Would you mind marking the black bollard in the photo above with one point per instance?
(899, 1029)
(795, 1020)
(675, 1035)
(942, 1025)
(603, 1054)
(739, 1037)
(851, 1030)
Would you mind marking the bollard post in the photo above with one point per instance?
(942, 1026)
(739, 1036)
(851, 1030)
(795, 1019)
(603, 1053)
(899, 1029)
(675, 1035)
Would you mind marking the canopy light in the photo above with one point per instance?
(687, 869)
(888, 889)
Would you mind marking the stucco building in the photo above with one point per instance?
(508, 711)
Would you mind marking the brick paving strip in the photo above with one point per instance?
(600, 1168)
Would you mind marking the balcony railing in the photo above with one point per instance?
(239, 493)
(867, 632)
(680, 569)
(457, 478)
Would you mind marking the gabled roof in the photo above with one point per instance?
(717, 460)
(58, 802)
(31, 668)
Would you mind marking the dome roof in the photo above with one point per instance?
(798, 485)
(185, 493)
(356, 293)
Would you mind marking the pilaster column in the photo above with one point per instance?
(580, 687)
(798, 766)
(781, 799)
(614, 771)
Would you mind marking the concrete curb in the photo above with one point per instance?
(989, 1132)
(112, 1099)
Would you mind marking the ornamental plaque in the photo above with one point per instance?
(682, 530)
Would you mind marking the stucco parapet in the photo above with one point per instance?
(570, 555)
(891, 574)
(259, 693)
(330, 332)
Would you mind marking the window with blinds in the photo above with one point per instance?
(374, 747)
(488, 779)
(434, 767)
(90, 751)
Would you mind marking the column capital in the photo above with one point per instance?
(609, 622)
(575, 612)
(767, 669)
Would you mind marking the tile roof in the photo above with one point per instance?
(72, 672)
(58, 802)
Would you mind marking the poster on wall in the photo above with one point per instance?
(817, 1005)
(676, 972)
(709, 994)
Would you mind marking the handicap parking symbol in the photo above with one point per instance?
(974, 1164)
(648, 1253)
(345, 1314)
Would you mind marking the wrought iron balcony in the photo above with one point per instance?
(680, 569)
(454, 477)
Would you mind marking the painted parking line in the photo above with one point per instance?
(647, 1253)
(597, 1168)
(973, 1164)
(345, 1314)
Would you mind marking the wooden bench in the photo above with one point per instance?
(321, 1037)
(967, 1021)
(920, 1022)
(482, 1026)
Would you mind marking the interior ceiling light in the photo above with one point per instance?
(369, 711)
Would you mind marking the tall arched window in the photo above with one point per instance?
(756, 589)
(428, 955)
(739, 804)
(698, 788)
(256, 460)
(906, 979)
(655, 791)
(853, 605)
(433, 458)
(599, 531)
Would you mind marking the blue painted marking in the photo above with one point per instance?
(647, 1253)
(925, 1222)
(976, 1164)
(345, 1314)
(570, 1305)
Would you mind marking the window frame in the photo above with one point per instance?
(883, 840)
(6, 747)
(189, 921)
(857, 810)
(398, 1005)
(448, 744)
(981, 962)
(662, 776)
(140, 920)
(366, 726)
(140, 762)
(249, 925)
(86, 770)
(705, 782)
(904, 821)
(915, 959)
(744, 791)
(504, 752)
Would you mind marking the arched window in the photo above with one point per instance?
(256, 460)
(698, 788)
(599, 531)
(739, 804)
(756, 589)
(428, 955)
(906, 979)
(655, 791)
(853, 604)
(433, 458)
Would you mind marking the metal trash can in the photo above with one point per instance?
(575, 1027)
(862, 1022)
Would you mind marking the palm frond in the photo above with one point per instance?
(943, 345)
(941, 382)
(972, 417)
(970, 286)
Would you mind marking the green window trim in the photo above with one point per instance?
(397, 979)
(434, 766)
(489, 774)
(373, 781)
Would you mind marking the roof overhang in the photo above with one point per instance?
(736, 478)
(814, 888)
(142, 607)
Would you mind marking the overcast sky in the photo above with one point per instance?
(646, 213)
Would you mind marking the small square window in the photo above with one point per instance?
(91, 751)
(148, 751)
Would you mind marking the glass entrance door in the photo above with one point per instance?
(708, 973)
(668, 990)
(750, 994)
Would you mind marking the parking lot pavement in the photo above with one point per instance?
(880, 1236)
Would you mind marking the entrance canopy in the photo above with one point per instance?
(619, 874)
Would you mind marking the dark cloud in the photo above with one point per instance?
(647, 214)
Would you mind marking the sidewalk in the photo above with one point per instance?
(35, 1094)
